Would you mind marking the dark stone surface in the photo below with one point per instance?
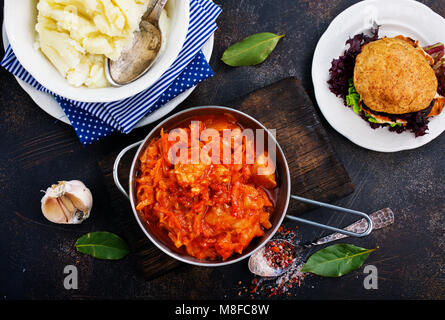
(37, 150)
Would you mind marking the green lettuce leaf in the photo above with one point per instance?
(353, 98)
(371, 119)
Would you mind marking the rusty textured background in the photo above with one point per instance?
(36, 151)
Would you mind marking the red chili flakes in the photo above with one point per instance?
(284, 285)
(275, 249)
(279, 254)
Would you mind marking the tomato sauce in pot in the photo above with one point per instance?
(210, 206)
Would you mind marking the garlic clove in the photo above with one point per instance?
(67, 202)
(52, 211)
(67, 206)
(80, 196)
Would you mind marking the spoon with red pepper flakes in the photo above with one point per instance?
(273, 259)
(278, 254)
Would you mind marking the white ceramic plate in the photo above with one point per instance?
(406, 17)
(19, 20)
(46, 102)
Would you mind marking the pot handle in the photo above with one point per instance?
(116, 167)
(336, 208)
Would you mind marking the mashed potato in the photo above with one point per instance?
(77, 35)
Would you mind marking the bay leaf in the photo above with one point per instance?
(252, 50)
(336, 260)
(102, 245)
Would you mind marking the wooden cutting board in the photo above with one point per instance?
(315, 171)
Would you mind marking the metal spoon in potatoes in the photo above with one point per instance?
(137, 60)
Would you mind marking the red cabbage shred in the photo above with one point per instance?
(342, 69)
(440, 73)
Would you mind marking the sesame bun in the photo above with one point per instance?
(392, 76)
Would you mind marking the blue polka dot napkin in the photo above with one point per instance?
(93, 121)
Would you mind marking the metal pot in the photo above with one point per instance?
(160, 238)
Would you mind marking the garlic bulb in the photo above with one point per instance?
(68, 202)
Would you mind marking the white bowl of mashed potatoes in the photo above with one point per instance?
(64, 43)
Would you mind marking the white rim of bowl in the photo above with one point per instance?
(128, 91)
